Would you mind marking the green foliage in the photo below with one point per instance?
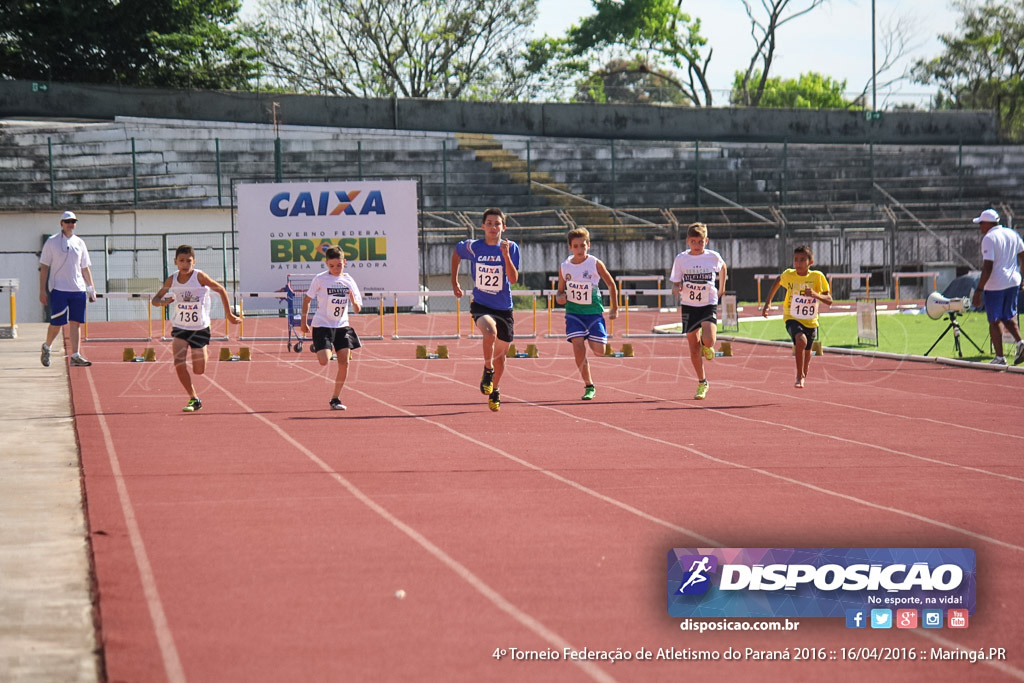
(455, 49)
(164, 43)
(641, 43)
(810, 91)
(982, 66)
(629, 82)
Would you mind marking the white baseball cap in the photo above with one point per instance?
(988, 216)
(69, 216)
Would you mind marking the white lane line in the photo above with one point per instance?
(164, 637)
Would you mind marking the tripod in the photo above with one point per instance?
(957, 332)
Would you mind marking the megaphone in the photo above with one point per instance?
(937, 305)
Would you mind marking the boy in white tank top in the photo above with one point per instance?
(190, 317)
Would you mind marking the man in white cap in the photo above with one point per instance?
(1003, 253)
(65, 282)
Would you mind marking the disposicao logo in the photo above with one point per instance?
(817, 582)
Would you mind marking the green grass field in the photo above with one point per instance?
(897, 333)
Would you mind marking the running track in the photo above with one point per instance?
(264, 538)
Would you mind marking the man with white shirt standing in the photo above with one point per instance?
(1002, 251)
(65, 282)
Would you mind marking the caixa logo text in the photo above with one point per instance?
(336, 203)
(831, 577)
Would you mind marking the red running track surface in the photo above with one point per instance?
(264, 538)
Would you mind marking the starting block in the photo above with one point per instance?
(422, 352)
(531, 352)
(726, 349)
(148, 356)
(244, 353)
(626, 352)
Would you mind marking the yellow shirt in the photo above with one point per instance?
(803, 309)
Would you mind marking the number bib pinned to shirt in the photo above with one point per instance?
(187, 315)
(803, 307)
(489, 278)
(578, 292)
(696, 293)
(336, 307)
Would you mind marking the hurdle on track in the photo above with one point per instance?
(830, 276)
(11, 285)
(394, 298)
(136, 296)
(896, 277)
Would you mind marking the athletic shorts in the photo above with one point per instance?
(585, 326)
(197, 339)
(693, 316)
(65, 305)
(1001, 304)
(793, 327)
(337, 338)
(502, 319)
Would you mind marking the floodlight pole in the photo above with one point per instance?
(874, 68)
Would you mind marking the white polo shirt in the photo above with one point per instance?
(1000, 246)
(66, 256)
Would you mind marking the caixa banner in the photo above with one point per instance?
(817, 582)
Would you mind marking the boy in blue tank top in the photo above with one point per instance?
(494, 269)
(579, 278)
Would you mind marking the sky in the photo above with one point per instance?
(834, 39)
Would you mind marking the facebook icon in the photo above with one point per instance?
(856, 618)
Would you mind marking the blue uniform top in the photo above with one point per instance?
(490, 282)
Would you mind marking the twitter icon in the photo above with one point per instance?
(881, 618)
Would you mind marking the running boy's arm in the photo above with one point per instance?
(304, 326)
(722, 277)
(355, 297)
(613, 291)
(511, 272)
(560, 295)
(823, 297)
(456, 260)
(208, 281)
(161, 298)
(771, 295)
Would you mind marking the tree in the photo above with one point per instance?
(412, 48)
(982, 66)
(810, 91)
(764, 32)
(165, 43)
(630, 82)
(656, 33)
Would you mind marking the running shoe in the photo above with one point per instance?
(998, 360)
(194, 404)
(487, 382)
(336, 404)
(80, 360)
(494, 402)
(708, 351)
(1018, 357)
(44, 356)
(588, 392)
(702, 391)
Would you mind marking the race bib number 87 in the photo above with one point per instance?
(489, 278)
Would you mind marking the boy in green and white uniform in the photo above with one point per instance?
(579, 279)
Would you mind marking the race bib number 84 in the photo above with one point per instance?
(696, 293)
